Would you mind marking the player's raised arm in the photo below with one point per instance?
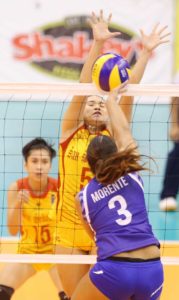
(158, 35)
(119, 124)
(15, 200)
(13, 213)
(99, 25)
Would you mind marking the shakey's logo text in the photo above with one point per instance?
(63, 48)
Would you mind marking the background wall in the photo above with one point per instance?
(27, 25)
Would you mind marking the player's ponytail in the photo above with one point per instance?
(119, 164)
(107, 163)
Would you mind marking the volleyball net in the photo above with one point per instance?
(30, 110)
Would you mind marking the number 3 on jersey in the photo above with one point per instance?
(122, 211)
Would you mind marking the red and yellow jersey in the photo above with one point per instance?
(74, 174)
(37, 229)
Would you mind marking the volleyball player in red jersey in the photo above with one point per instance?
(29, 202)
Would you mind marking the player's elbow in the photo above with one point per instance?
(13, 229)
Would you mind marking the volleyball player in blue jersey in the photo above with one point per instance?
(112, 208)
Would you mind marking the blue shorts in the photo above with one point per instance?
(123, 280)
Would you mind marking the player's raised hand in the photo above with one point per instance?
(100, 28)
(159, 35)
(23, 196)
(116, 93)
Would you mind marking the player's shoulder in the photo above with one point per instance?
(22, 183)
(13, 186)
(19, 184)
(135, 176)
(53, 184)
(70, 134)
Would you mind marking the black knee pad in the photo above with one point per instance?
(63, 296)
(6, 292)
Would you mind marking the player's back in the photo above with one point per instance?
(117, 213)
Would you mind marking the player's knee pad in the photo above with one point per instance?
(6, 292)
(63, 296)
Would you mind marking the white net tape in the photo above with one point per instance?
(53, 92)
(64, 259)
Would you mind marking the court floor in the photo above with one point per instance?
(42, 283)
(46, 289)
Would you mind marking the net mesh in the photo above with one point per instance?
(35, 110)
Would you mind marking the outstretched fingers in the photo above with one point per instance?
(159, 35)
(120, 89)
(163, 41)
(109, 18)
(94, 18)
(101, 18)
(100, 27)
(161, 32)
(163, 36)
(162, 29)
(155, 27)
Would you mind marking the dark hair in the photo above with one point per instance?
(99, 96)
(35, 144)
(107, 164)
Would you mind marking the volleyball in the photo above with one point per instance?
(109, 71)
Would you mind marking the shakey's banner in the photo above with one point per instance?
(45, 40)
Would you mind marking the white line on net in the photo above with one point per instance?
(52, 92)
(65, 259)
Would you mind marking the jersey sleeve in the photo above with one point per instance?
(81, 200)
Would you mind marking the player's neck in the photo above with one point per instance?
(38, 187)
(95, 129)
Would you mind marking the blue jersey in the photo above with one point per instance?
(117, 214)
